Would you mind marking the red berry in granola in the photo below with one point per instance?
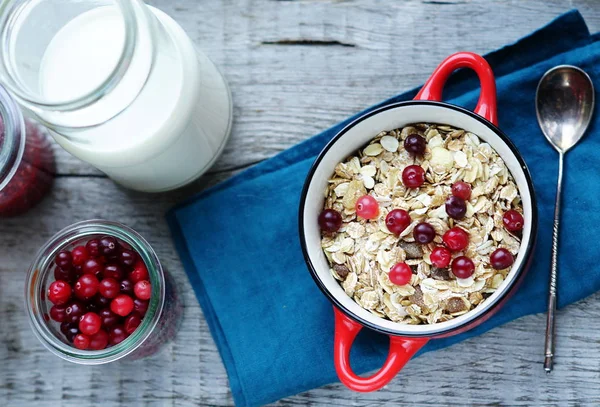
(367, 207)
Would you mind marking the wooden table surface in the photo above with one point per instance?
(295, 68)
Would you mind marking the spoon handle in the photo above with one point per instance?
(550, 321)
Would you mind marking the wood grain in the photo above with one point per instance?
(295, 68)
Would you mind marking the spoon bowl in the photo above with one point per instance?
(564, 105)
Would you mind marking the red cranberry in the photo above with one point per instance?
(92, 266)
(116, 335)
(330, 220)
(75, 311)
(143, 290)
(397, 220)
(462, 190)
(90, 323)
(93, 247)
(122, 305)
(99, 340)
(456, 239)
(81, 341)
(80, 255)
(108, 246)
(64, 260)
(59, 292)
(128, 258)
(132, 322)
(440, 257)
(126, 287)
(367, 207)
(501, 259)
(413, 176)
(424, 233)
(109, 288)
(463, 267)
(65, 275)
(58, 313)
(140, 306)
(86, 286)
(109, 318)
(400, 274)
(456, 207)
(114, 271)
(139, 272)
(415, 144)
(513, 221)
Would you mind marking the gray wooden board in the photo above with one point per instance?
(295, 68)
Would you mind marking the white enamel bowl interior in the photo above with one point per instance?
(355, 138)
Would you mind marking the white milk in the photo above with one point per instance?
(172, 131)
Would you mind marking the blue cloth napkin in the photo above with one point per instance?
(240, 248)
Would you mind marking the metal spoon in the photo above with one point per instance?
(564, 107)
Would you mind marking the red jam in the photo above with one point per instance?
(34, 176)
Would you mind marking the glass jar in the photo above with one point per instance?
(26, 160)
(159, 324)
(119, 84)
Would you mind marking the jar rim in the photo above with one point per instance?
(43, 265)
(12, 137)
(9, 17)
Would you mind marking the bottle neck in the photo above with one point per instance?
(12, 138)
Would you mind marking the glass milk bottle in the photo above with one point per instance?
(119, 84)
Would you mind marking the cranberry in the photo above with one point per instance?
(109, 318)
(367, 207)
(58, 313)
(80, 255)
(66, 326)
(440, 257)
(501, 259)
(132, 322)
(400, 274)
(461, 190)
(101, 302)
(413, 176)
(140, 306)
(397, 220)
(117, 335)
(64, 260)
(143, 290)
(65, 275)
(114, 271)
(513, 221)
(463, 267)
(92, 266)
(109, 288)
(456, 207)
(330, 220)
(70, 331)
(126, 287)
(424, 233)
(59, 292)
(108, 246)
(90, 323)
(87, 286)
(139, 272)
(99, 340)
(456, 239)
(122, 305)
(93, 247)
(81, 341)
(75, 311)
(128, 258)
(415, 144)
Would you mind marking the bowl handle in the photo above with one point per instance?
(486, 106)
(401, 350)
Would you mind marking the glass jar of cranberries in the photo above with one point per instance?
(26, 160)
(96, 292)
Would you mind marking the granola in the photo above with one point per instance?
(362, 252)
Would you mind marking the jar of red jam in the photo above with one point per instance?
(97, 292)
(26, 160)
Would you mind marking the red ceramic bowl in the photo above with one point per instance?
(406, 340)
